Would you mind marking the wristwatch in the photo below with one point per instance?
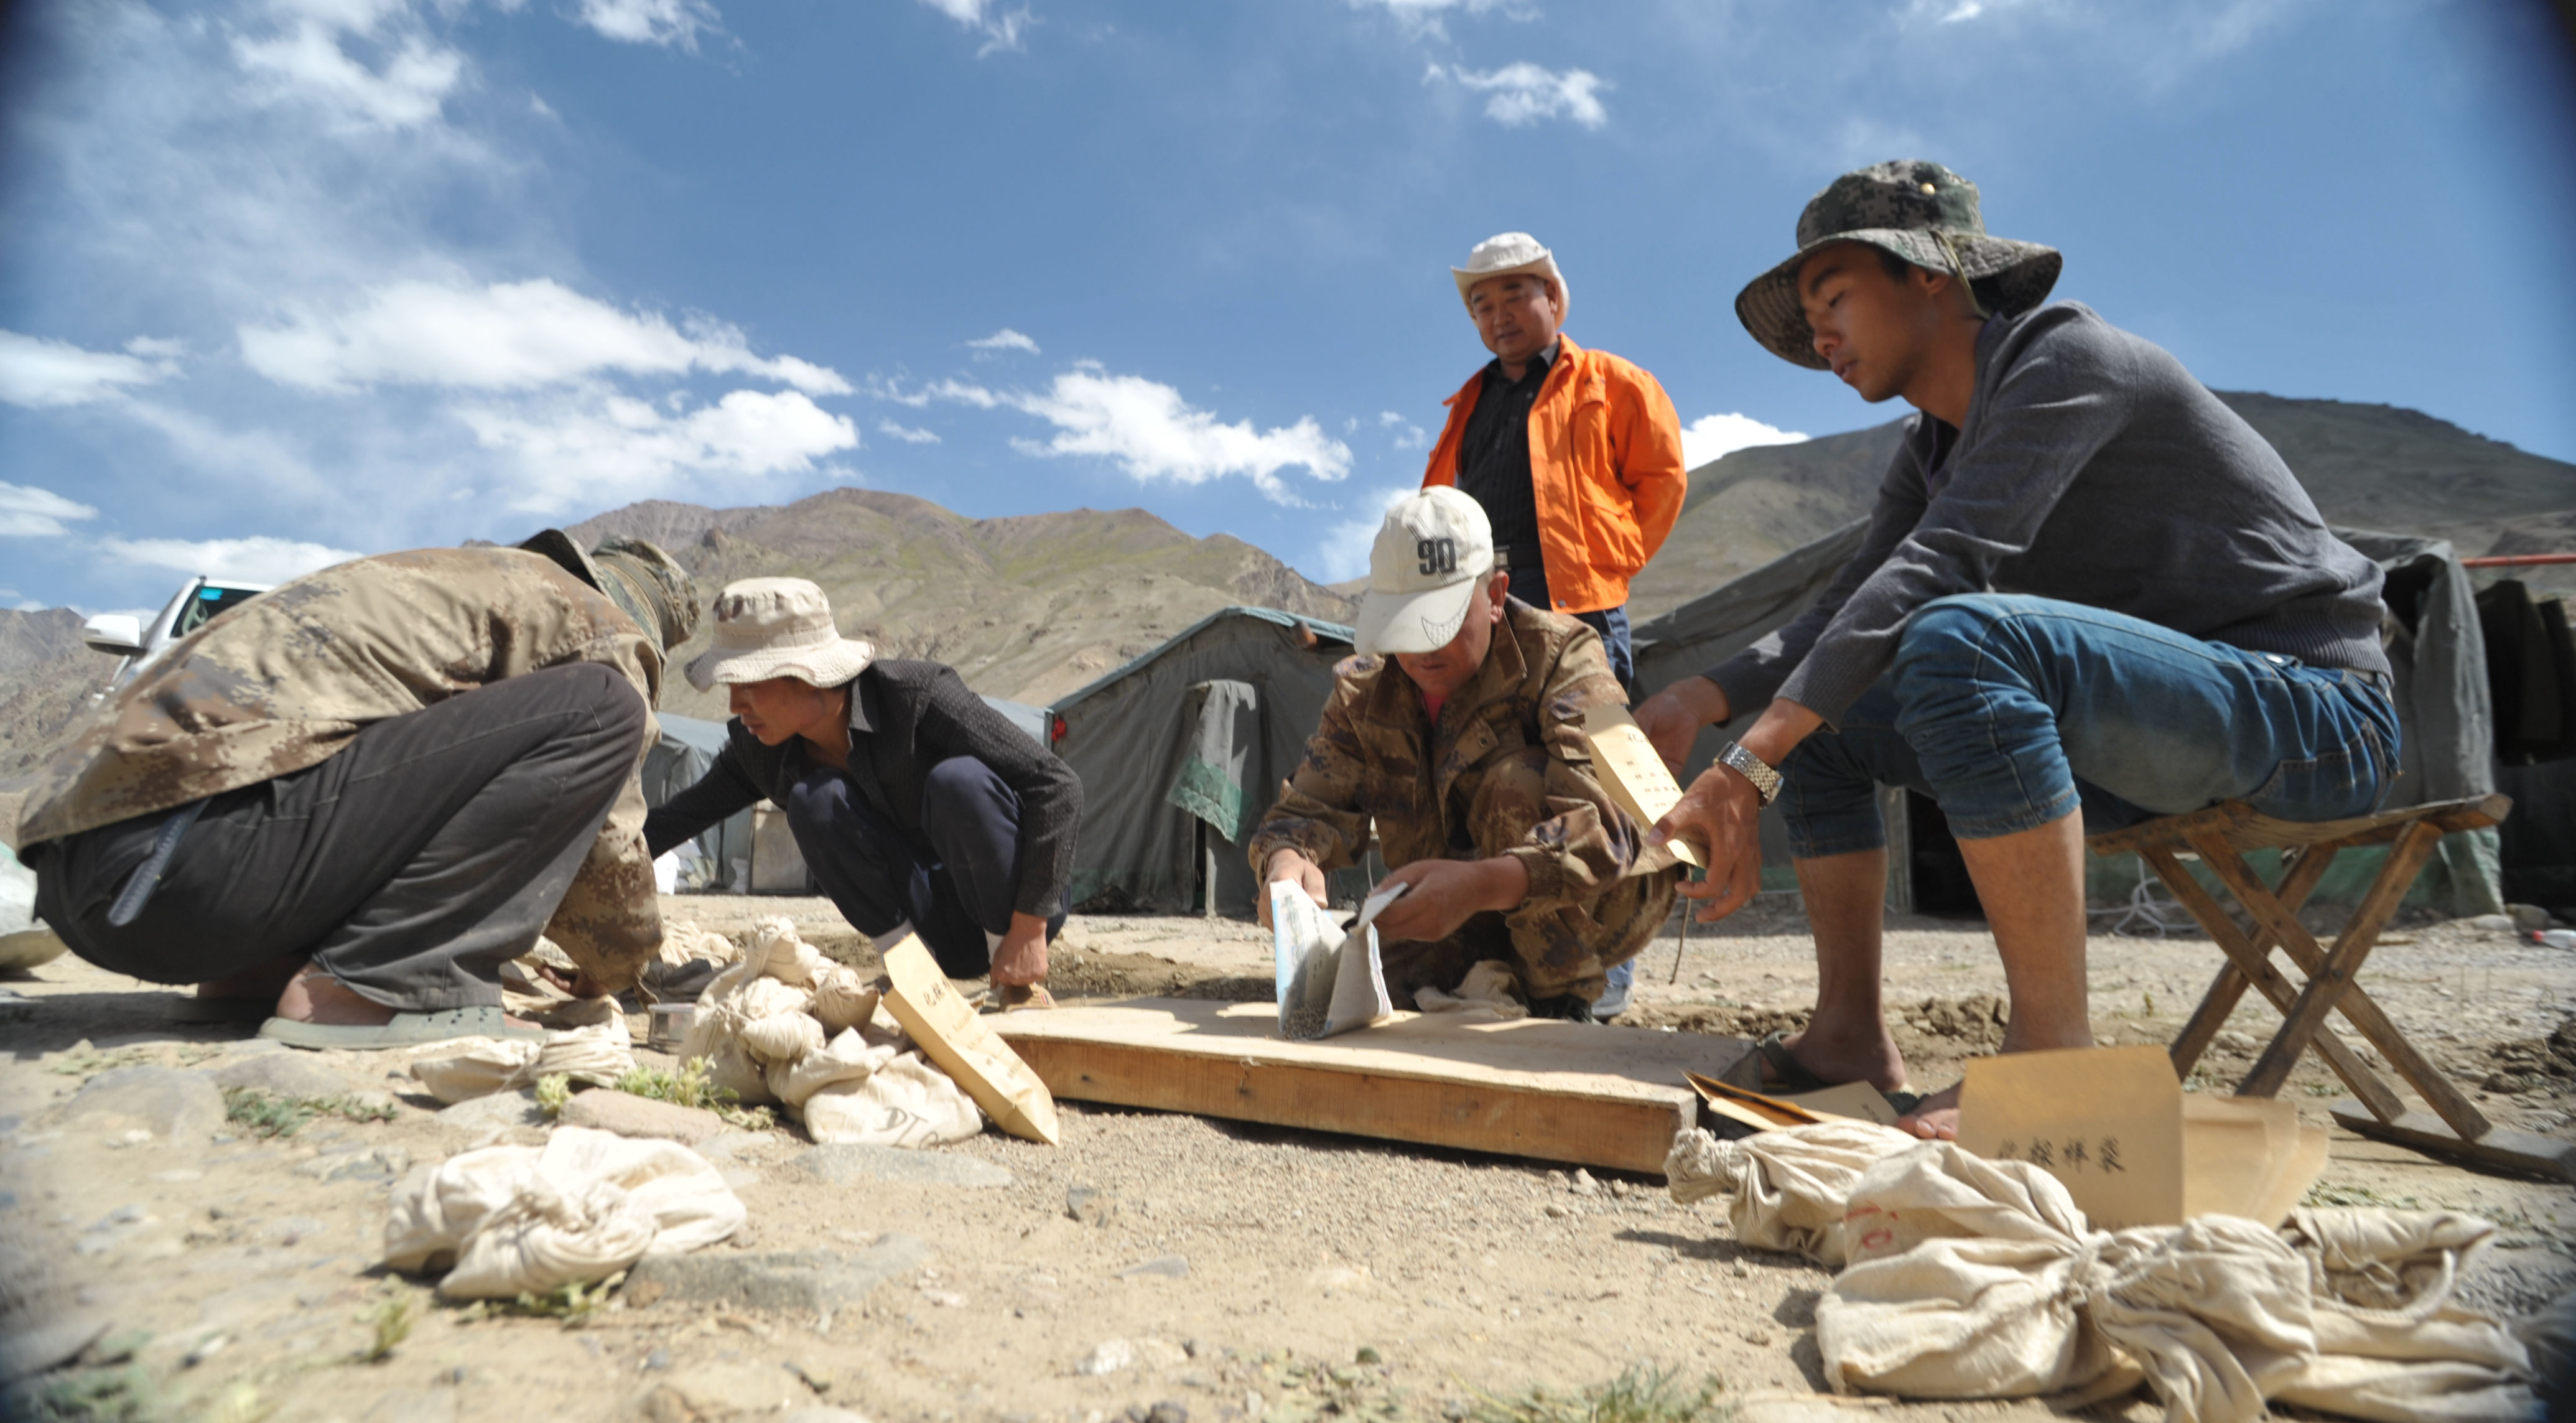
(1766, 782)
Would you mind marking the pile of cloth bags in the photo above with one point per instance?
(1967, 1278)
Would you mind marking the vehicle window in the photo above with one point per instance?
(204, 608)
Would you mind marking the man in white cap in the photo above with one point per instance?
(1458, 731)
(911, 799)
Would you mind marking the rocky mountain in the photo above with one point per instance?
(2378, 467)
(1035, 606)
(1027, 608)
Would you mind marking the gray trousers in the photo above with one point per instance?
(410, 866)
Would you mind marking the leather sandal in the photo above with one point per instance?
(406, 1030)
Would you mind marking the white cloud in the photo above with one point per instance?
(307, 59)
(1422, 17)
(906, 433)
(1005, 339)
(1408, 436)
(1343, 553)
(955, 392)
(37, 373)
(29, 512)
(1716, 436)
(1523, 93)
(258, 559)
(1001, 28)
(662, 22)
(596, 446)
(508, 335)
(1153, 434)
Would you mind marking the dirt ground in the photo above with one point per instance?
(1239, 1271)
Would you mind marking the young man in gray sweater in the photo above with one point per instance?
(2087, 586)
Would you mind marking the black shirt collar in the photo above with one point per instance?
(1533, 375)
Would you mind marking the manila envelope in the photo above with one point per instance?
(1762, 1111)
(1635, 777)
(2114, 1126)
(949, 1029)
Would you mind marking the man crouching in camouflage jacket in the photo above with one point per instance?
(1458, 729)
(360, 793)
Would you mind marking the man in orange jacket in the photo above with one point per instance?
(1575, 455)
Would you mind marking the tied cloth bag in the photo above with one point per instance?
(479, 1067)
(1966, 1278)
(788, 1025)
(512, 1220)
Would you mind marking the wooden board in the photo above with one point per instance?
(1578, 1093)
(2500, 1148)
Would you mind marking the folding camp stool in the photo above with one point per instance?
(2220, 836)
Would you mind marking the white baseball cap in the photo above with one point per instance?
(1506, 254)
(1432, 557)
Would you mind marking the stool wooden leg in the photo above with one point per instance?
(2355, 1005)
(2364, 1083)
(2229, 987)
(2332, 979)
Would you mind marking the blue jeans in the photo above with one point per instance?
(2011, 711)
(1530, 586)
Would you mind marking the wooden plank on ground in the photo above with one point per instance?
(2548, 1157)
(1582, 1094)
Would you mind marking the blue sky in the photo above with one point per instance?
(287, 279)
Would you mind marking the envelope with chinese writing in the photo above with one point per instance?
(1636, 778)
(2114, 1125)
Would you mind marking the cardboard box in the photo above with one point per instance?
(955, 1036)
(2115, 1127)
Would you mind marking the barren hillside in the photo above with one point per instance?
(1027, 608)
(2376, 467)
(1036, 606)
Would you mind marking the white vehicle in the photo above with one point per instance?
(124, 635)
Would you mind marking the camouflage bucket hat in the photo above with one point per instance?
(1922, 212)
(647, 584)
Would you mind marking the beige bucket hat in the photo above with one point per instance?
(1505, 254)
(778, 627)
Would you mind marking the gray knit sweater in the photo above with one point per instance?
(2092, 469)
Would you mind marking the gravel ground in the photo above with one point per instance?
(1225, 1269)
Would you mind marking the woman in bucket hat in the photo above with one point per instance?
(912, 801)
(2088, 586)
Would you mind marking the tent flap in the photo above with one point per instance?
(1223, 727)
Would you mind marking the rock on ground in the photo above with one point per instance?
(803, 1281)
(606, 1109)
(172, 1103)
(287, 1074)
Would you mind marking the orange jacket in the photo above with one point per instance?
(1605, 463)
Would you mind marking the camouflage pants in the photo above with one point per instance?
(1556, 949)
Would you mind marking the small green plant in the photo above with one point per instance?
(2150, 1000)
(2325, 1195)
(573, 1303)
(268, 1114)
(553, 1091)
(1642, 1393)
(694, 1085)
(123, 1394)
(391, 1322)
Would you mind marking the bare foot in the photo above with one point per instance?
(1862, 1053)
(313, 996)
(258, 981)
(1935, 1118)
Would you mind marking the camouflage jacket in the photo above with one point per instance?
(1506, 772)
(283, 681)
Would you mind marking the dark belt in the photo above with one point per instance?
(1510, 556)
